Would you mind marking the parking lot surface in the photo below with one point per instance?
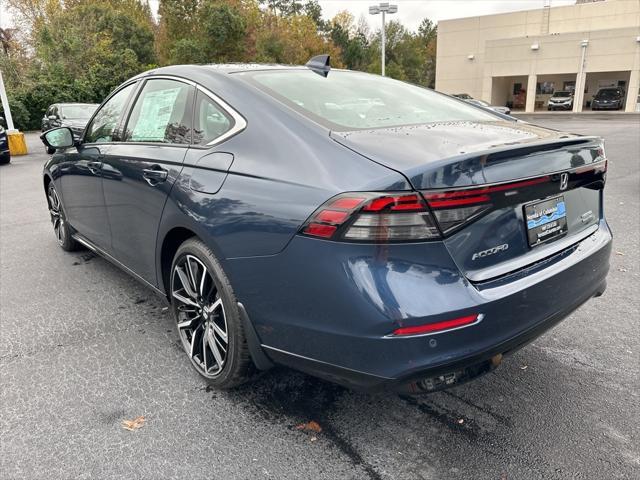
(83, 347)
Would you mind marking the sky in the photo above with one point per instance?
(410, 12)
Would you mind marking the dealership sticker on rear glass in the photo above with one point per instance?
(546, 220)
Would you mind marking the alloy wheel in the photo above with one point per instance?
(57, 216)
(200, 315)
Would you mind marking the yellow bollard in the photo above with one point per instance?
(17, 145)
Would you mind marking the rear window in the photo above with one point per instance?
(352, 100)
(78, 111)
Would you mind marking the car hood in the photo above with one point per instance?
(427, 154)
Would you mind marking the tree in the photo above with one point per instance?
(82, 50)
(353, 42)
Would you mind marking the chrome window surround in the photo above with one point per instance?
(239, 122)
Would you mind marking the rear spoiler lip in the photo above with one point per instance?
(415, 175)
(489, 185)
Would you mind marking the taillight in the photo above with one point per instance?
(373, 217)
(453, 210)
(456, 208)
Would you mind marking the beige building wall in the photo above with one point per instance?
(478, 55)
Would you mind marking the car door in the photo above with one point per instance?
(139, 171)
(81, 176)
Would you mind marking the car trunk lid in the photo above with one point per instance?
(504, 194)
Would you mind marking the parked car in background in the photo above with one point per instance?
(463, 96)
(561, 100)
(483, 104)
(5, 154)
(72, 115)
(359, 228)
(610, 98)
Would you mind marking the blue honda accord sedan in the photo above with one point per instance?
(358, 228)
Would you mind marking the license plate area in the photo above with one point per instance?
(545, 220)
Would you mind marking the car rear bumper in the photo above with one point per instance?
(331, 315)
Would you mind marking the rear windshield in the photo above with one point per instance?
(562, 94)
(609, 93)
(352, 100)
(78, 111)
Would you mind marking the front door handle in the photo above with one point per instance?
(155, 175)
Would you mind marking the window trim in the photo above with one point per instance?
(239, 122)
(125, 111)
(239, 125)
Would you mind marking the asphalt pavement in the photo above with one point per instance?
(83, 347)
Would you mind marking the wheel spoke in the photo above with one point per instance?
(185, 283)
(189, 323)
(204, 353)
(214, 349)
(192, 277)
(184, 299)
(202, 279)
(220, 332)
(194, 343)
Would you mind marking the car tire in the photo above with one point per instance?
(5, 159)
(61, 227)
(207, 317)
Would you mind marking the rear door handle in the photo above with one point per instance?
(155, 175)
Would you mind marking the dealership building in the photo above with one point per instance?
(518, 59)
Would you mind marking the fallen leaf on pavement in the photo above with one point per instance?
(524, 367)
(622, 269)
(461, 421)
(311, 426)
(620, 253)
(134, 424)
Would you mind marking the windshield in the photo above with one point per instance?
(609, 93)
(562, 94)
(78, 111)
(352, 100)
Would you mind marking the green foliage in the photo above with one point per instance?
(83, 52)
(216, 35)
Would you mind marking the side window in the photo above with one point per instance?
(162, 113)
(104, 123)
(210, 120)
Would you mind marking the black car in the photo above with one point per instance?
(5, 155)
(611, 98)
(72, 115)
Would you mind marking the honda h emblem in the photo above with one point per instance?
(564, 181)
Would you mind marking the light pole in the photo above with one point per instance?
(383, 8)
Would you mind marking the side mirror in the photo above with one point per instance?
(58, 138)
(53, 118)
